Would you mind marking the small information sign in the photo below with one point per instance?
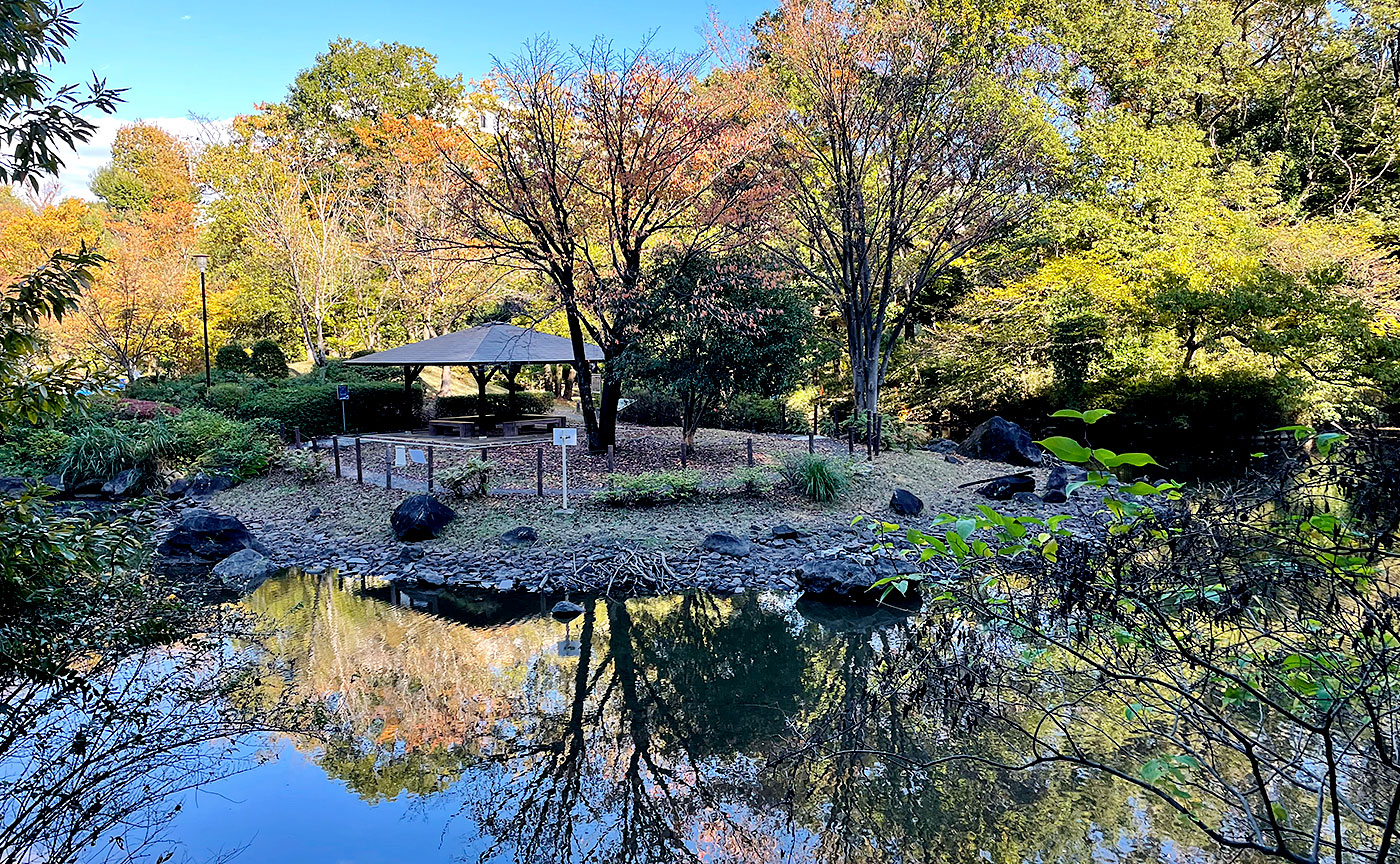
(342, 392)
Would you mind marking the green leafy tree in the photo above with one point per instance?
(713, 327)
(354, 83)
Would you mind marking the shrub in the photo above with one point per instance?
(233, 357)
(303, 466)
(750, 412)
(227, 396)
(143, 409)
(470, 479)
(821, 478)
(753, 482)
(33, 452)
(648, 408)
(526, 402)
(373, 407)
(212, 442)
(650, 488)
(266, 360)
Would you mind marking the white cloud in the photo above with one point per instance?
(184, 17)
(81, 162)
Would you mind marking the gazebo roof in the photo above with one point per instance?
(492, 344)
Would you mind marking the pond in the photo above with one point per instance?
(678, 728)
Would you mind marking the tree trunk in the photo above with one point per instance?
(569, 375)
(607, 419)
(865, 382)
(445, 386)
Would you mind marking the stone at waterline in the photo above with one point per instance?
(420, 517)
(942, 445)
(125, 483)
(1000, 440)
(843, 580)
(1004, 488)
(521, 536)
(178, 487)
(565, 611)
(1063, 475)
(727, 544)
(243, 571)
(88, 488)
(54, 482)
(15, 486)
(906, 503)
(785, 532)
(201, 539)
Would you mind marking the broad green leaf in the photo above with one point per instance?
(1066, 448)
(1137, 459)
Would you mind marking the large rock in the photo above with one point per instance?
(727, 544)
(15, 486)
(202, 539)
(243, 571)
(420, 517)
(906, 503)
(942, 445)
(203, 485)
(521, 536)
(1005, 488)
(126, 483)
(999, 440)
(785, 532)
(842, 580)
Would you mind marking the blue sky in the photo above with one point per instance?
(217, 58)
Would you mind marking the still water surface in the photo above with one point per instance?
(660, 729)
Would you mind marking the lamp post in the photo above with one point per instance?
(202, 262)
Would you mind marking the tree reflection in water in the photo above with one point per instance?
(685, 728)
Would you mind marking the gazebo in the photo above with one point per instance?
(485, 350)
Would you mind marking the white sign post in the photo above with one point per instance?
(563, 437)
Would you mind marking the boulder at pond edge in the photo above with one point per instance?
(420, 517)
(999, 440)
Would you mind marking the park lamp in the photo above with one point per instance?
(202, 262)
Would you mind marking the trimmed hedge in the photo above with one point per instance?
(374, 406)
(526, 401)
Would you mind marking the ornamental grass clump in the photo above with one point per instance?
(821, 478)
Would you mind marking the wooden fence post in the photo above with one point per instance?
(296, 430)
(610, 459)
(851, 440)
(388, 466)
(430, 469)
(359, 462)
(539, 471)
(750, 448)
(335, 451)
(683, 458)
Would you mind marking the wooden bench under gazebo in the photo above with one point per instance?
(485, 350)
